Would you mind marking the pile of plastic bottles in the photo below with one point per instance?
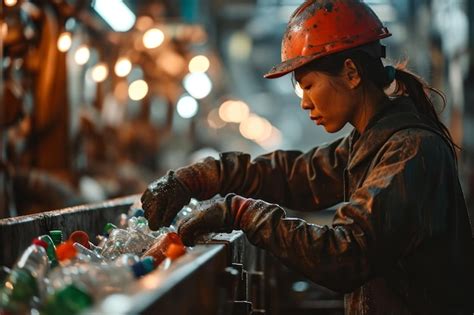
(55, 275)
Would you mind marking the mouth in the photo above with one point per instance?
(316, 119)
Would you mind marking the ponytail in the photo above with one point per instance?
(408, 83)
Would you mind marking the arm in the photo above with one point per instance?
(304, 181)
(300, 181)
(379, 224)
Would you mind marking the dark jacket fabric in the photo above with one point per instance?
(400, 242)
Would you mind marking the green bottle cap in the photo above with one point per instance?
(109, 227)
(69, 300)
(56, 236)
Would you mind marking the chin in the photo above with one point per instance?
(332, 129)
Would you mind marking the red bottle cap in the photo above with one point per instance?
(80, 237)
(66, 251)
(41, 243)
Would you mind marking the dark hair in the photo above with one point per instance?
(407, 83)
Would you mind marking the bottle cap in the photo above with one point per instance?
(80, 237)
(175, 250)
(109, 227)
(56, 236)
(139, 213)
(66, 251)
(148, 263)
(70, 300)
(41, 243)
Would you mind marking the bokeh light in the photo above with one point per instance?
(123, 66)
(199, 64)
(64, 41)
(138, 90)
(82, 55)
(198, 85)
(100, 72)
(234, 111)
(187, 107)
(153, 38)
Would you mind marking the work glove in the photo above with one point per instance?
(230, 213)
(166, 196)
(163, 199)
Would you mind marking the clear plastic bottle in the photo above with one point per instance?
(24, 286)
(122, 241)
(50, 250)
(184, 213)
(98, 280)
(87, 254)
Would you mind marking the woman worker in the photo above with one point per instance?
(400, 242)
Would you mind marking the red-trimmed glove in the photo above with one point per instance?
(230, 213)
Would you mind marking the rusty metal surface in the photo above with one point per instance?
(17, 233)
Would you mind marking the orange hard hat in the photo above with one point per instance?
(322, 27)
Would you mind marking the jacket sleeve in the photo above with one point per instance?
(383, 220)
(303, 181)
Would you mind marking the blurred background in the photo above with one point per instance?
(98, 98)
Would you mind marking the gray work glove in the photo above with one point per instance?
(230, 213)
(163, 199)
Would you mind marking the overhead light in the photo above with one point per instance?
(100, 72)
(255, 128)
(123, 66)
(187, 107)
(64, 41)
(82, 55)
(137, 90)
(10, 3)
(153, 38)
(198, 85)
(199, 64)
(234, 111)
(115, 13)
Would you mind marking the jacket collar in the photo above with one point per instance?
(399, 114)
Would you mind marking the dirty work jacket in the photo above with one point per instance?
(401, 241)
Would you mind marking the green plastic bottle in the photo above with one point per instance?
(71, 299)
(50, 250)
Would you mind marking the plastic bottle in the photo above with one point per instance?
(24, 286)
(98, 280)
(122, 241)
(184, 213)
(50, 250)
(70, 300)
(159, 248)
(87, 254)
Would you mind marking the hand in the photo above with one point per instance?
(226, 214)
(163, 199)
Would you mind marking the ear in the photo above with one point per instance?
(351, 74)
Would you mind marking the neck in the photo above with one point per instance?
(369, 105)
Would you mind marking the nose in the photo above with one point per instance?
(306, 103)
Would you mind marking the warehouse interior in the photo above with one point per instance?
(101, 97)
